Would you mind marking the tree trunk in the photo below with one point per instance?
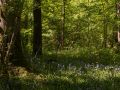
(3, 48)
(37, 32)
(104, 28)
(62, 25)
(18, 56)
(105, 34)
(2, 31)
(14, 22)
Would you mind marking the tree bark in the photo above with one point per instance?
(104, 27)
(3, 47)
(105, 34)
(37, 32)
(62, 25)
(14, 37)
(2, 31)
(18, 56)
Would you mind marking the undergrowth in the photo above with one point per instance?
(75, 69)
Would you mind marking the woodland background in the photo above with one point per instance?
(59, 45)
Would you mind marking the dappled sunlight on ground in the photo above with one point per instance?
(87, 77)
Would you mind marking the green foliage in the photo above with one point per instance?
(90, 58)
(68, 78)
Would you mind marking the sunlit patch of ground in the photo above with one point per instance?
(89, 77)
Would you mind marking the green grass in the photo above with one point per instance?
(93, 78)
(69, 70)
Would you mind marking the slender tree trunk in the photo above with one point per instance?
(115, 27)
(105, 34)
(2, 31)
(88, 27)
(62, 28)
(37, 32)
(17, 46)
(3, 44)
(16, 49)
(26, 22)
(118, 17)
(104, 28)
(62, 25)
(3, 61)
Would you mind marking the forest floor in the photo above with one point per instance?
(68, 77)
(65, 72)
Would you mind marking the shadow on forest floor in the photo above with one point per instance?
(87, 71)
(83, 82)
(65, 74)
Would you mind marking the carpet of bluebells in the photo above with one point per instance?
(71, 70)
(69, 77)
